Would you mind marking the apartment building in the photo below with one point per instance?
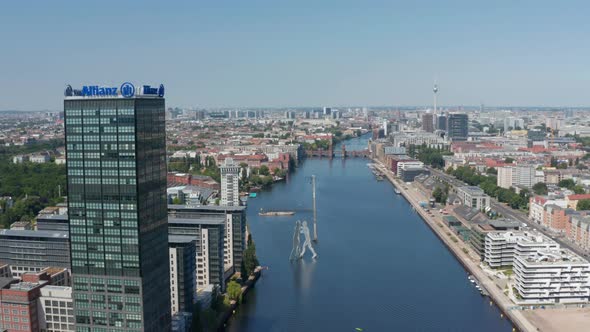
(552, 276)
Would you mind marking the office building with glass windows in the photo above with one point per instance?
(116, 166)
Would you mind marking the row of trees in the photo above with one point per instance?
(489, 186)
(31, 186)
(197, 166)
(429, 156)
(441, 193)
(323, 144)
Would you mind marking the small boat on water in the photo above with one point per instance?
(397, 191)
(275, 213)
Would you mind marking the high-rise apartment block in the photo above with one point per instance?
(516, 176)
(428, 122)
(230, 189)
(116, 153)
(457, 126)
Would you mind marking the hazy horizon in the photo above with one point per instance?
(268, 54)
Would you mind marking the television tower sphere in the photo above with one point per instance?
(435, 89)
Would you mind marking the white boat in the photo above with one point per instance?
(397, 191)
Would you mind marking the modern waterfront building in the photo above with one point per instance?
(457, 126)
(473, 197)
(56, 309)
(183, 291)
(116, 169)
(230, 189)
(479, 230)
(552, 276)
(501, 248)
(208, 230)
(234, 230)
(33, 251)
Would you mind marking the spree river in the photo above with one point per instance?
(380, 268)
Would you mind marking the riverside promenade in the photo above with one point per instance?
(471, 264)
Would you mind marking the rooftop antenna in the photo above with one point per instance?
(435, 90)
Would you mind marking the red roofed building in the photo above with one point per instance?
(175, 179)
(489, 162)
(572, 200)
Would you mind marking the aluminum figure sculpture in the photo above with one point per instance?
(296, 251)
(307, 242)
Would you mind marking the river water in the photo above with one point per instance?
(380, 267)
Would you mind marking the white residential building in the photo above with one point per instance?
(56, 309)
(501, 248)
(230, 190)
(474, 197)
(39, 158)
(513, 176)
(552, 276)
(404, 164)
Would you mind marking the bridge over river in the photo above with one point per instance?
(337, 153)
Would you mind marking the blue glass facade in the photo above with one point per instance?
(116, 164)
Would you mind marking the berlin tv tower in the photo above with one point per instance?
(435, 89)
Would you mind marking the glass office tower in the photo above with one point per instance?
(116, 163)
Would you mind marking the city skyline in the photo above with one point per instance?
(261, 54)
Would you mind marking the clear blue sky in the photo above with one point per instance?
(298, 53)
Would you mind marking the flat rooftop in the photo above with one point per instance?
(196, 221)
(473, 190)
(181, 238)
(206, 208)
(554, 257)
(8, 233)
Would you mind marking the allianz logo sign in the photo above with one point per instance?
(127, 90)
(95, 90)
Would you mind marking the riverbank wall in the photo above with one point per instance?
(496, 295)
(248, 285)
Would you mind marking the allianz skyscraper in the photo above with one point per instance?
(116, 163)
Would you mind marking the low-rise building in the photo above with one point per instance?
(33, 251)
(473, 197)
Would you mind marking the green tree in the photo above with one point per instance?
(509, 160)
(234, 290)
(579, 189)
(491, 170)
(177, 201)
(250, 259)
(264, 170)
(540, 188)
(567, 183)
(583, 205)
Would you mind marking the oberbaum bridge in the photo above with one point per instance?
(342, 153)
